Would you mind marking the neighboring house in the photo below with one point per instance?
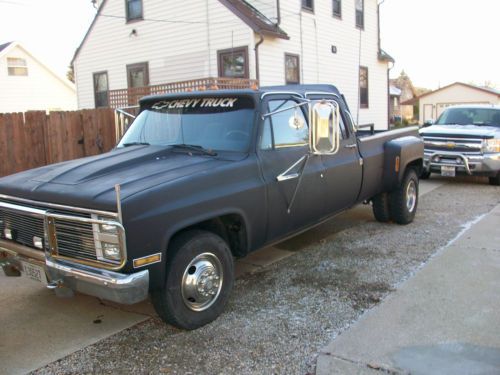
(27, 84)
(433, 103)
(403, 83)
(137, 43)
(394, 104)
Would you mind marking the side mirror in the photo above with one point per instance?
(324, 130)
(428, 123)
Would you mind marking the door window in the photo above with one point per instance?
(280, 130)
(101, 89)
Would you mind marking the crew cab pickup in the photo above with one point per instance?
(198, 179)
(464, 140)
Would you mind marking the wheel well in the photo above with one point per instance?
(231, 228)
(417, 165)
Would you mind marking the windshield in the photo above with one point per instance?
(222, 124)
(470, 116)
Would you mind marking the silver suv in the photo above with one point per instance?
(464, 140)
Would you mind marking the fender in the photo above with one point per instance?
(398, 154)
(200, 218)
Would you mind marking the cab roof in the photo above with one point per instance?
(256, 94)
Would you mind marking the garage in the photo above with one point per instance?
(433, 103)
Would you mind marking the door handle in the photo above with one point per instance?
(354, 145)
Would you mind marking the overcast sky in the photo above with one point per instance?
(435, 41)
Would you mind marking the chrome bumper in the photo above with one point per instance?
(481, 164)
(108, 285)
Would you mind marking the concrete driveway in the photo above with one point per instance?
(38, 328)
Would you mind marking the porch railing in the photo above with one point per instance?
(130, 96)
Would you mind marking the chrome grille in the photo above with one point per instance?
(24, 227)
(75, 239)
(468, 146)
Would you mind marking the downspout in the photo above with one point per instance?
(388, 69)
(256, 49)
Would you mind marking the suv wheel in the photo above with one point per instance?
(495, 181)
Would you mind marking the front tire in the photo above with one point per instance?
(199, 279)
(404, 200)
(425, 174)
(495, 181)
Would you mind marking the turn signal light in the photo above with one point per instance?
(141, 262)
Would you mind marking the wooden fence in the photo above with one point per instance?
(34, 139)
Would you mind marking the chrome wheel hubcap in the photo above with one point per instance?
(411, 196)
(202, 282)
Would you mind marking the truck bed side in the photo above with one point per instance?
(376, 153)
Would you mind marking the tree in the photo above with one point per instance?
(70, 74)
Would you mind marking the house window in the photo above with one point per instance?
(360, 14)
(133, 9)
(233, 62)
(308, 5)
(138, 75)
(363, 87)
(17, 66)
(337, 8)
(292, 68)
(101, 89)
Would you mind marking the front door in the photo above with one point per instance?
(295, 181)
(344, 170)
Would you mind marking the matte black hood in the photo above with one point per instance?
(461, 131)
(90, 182)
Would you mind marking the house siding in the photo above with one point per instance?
(177, 51)
(41, 89)
(321, 31)
(174, 51)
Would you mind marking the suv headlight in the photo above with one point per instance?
(491, 145)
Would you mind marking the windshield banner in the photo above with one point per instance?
(203, 105)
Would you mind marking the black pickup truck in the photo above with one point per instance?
(198, 179)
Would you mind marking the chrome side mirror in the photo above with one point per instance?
(428, 123)
(324, 129)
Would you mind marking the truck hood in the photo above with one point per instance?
(90, 182)
(461, 131)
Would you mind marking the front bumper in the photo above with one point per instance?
(104, 284)
(477, 164)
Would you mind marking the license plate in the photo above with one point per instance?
(448, 171)
(34, 272)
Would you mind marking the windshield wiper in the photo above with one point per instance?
(196, 148)
(135, 144)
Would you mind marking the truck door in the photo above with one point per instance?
(344, 170)
(282, 150)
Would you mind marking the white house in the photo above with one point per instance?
(27, 84)
(136, 43)
(433, 103)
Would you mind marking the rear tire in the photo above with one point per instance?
(199, 279)
(381, 209)
(404, 200)
(495, 181)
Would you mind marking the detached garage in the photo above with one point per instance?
(433, 103)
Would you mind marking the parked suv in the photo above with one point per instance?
(464, 140)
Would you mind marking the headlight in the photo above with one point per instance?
(491, 145)
(111, 251)
(107, 239)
